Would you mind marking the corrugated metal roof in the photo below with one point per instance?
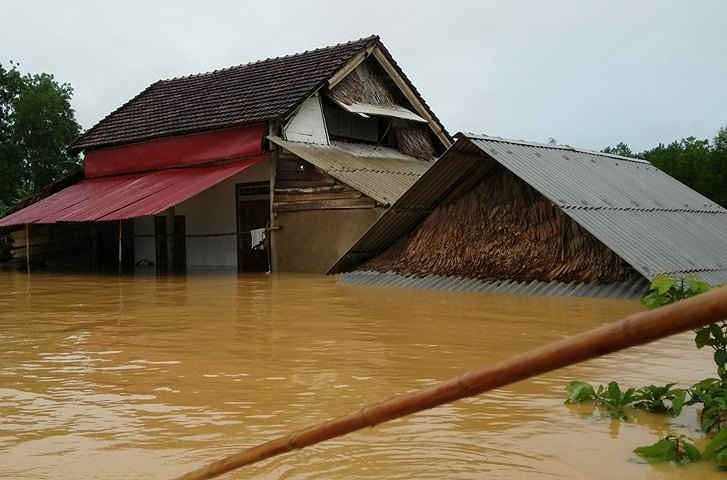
(652, 221)
(632, 288)
(381, 173)
(125, 196)
(580, 178)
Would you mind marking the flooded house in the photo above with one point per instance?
(277, 165)
(510, 216)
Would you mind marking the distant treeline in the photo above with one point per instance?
(701, 164)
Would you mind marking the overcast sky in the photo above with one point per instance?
(586, 73)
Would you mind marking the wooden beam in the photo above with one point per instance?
(356, 203)
(349, 67)
(411, 96)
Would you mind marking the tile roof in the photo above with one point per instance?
(381, 173)
(243, 94)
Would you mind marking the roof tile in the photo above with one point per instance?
(248, 93)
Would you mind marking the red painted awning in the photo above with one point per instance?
(179, 151)
(125, 196)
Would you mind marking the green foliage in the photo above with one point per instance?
(580, 392)
(620, 149)
(615, 400)
(661, 399)
(669, 449)
(717, 449)
(36, 126)
(666, 289)
(701, 164)
(710, 393)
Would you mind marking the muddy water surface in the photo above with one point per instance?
(107, 377)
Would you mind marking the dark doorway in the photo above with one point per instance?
(179, 260)
(253, 213)
(106, 240)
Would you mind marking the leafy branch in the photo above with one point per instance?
(710, 393)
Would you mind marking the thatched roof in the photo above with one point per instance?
(649, 220)
(502, 229)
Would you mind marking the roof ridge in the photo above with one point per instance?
(717, 209)
(364, 40)
(553, 146)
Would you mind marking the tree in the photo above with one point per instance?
(37, 124)
(620, 149)
(697, 163)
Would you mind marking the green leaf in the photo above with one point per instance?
(665, 450)
(677, 402)
(662, 283)
(579, 391)
(703, 337)
(614, 391)
(720, 357)
(697, 285)
(716, 332)
(721, 458)
(718, 444)
(691, 451)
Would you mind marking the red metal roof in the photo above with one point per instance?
(125, 196)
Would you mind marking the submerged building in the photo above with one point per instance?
(275, 165)
(330, 160)
(510, 216)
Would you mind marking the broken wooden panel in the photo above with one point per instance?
(294, 172)
(367, 106)
(302, 186)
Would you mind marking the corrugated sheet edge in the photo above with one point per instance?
(632, 288)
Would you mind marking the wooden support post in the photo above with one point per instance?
(171, 248)
(120, 247)
(93, 228)
(274, 152)
(27, 248)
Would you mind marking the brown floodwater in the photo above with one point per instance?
(144, 377)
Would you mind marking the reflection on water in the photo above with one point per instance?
(107, 377)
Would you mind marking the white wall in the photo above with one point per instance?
(210, 212)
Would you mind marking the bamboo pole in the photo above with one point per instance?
(635, 329)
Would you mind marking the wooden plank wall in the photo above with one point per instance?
(302, 186)
(48, 240)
